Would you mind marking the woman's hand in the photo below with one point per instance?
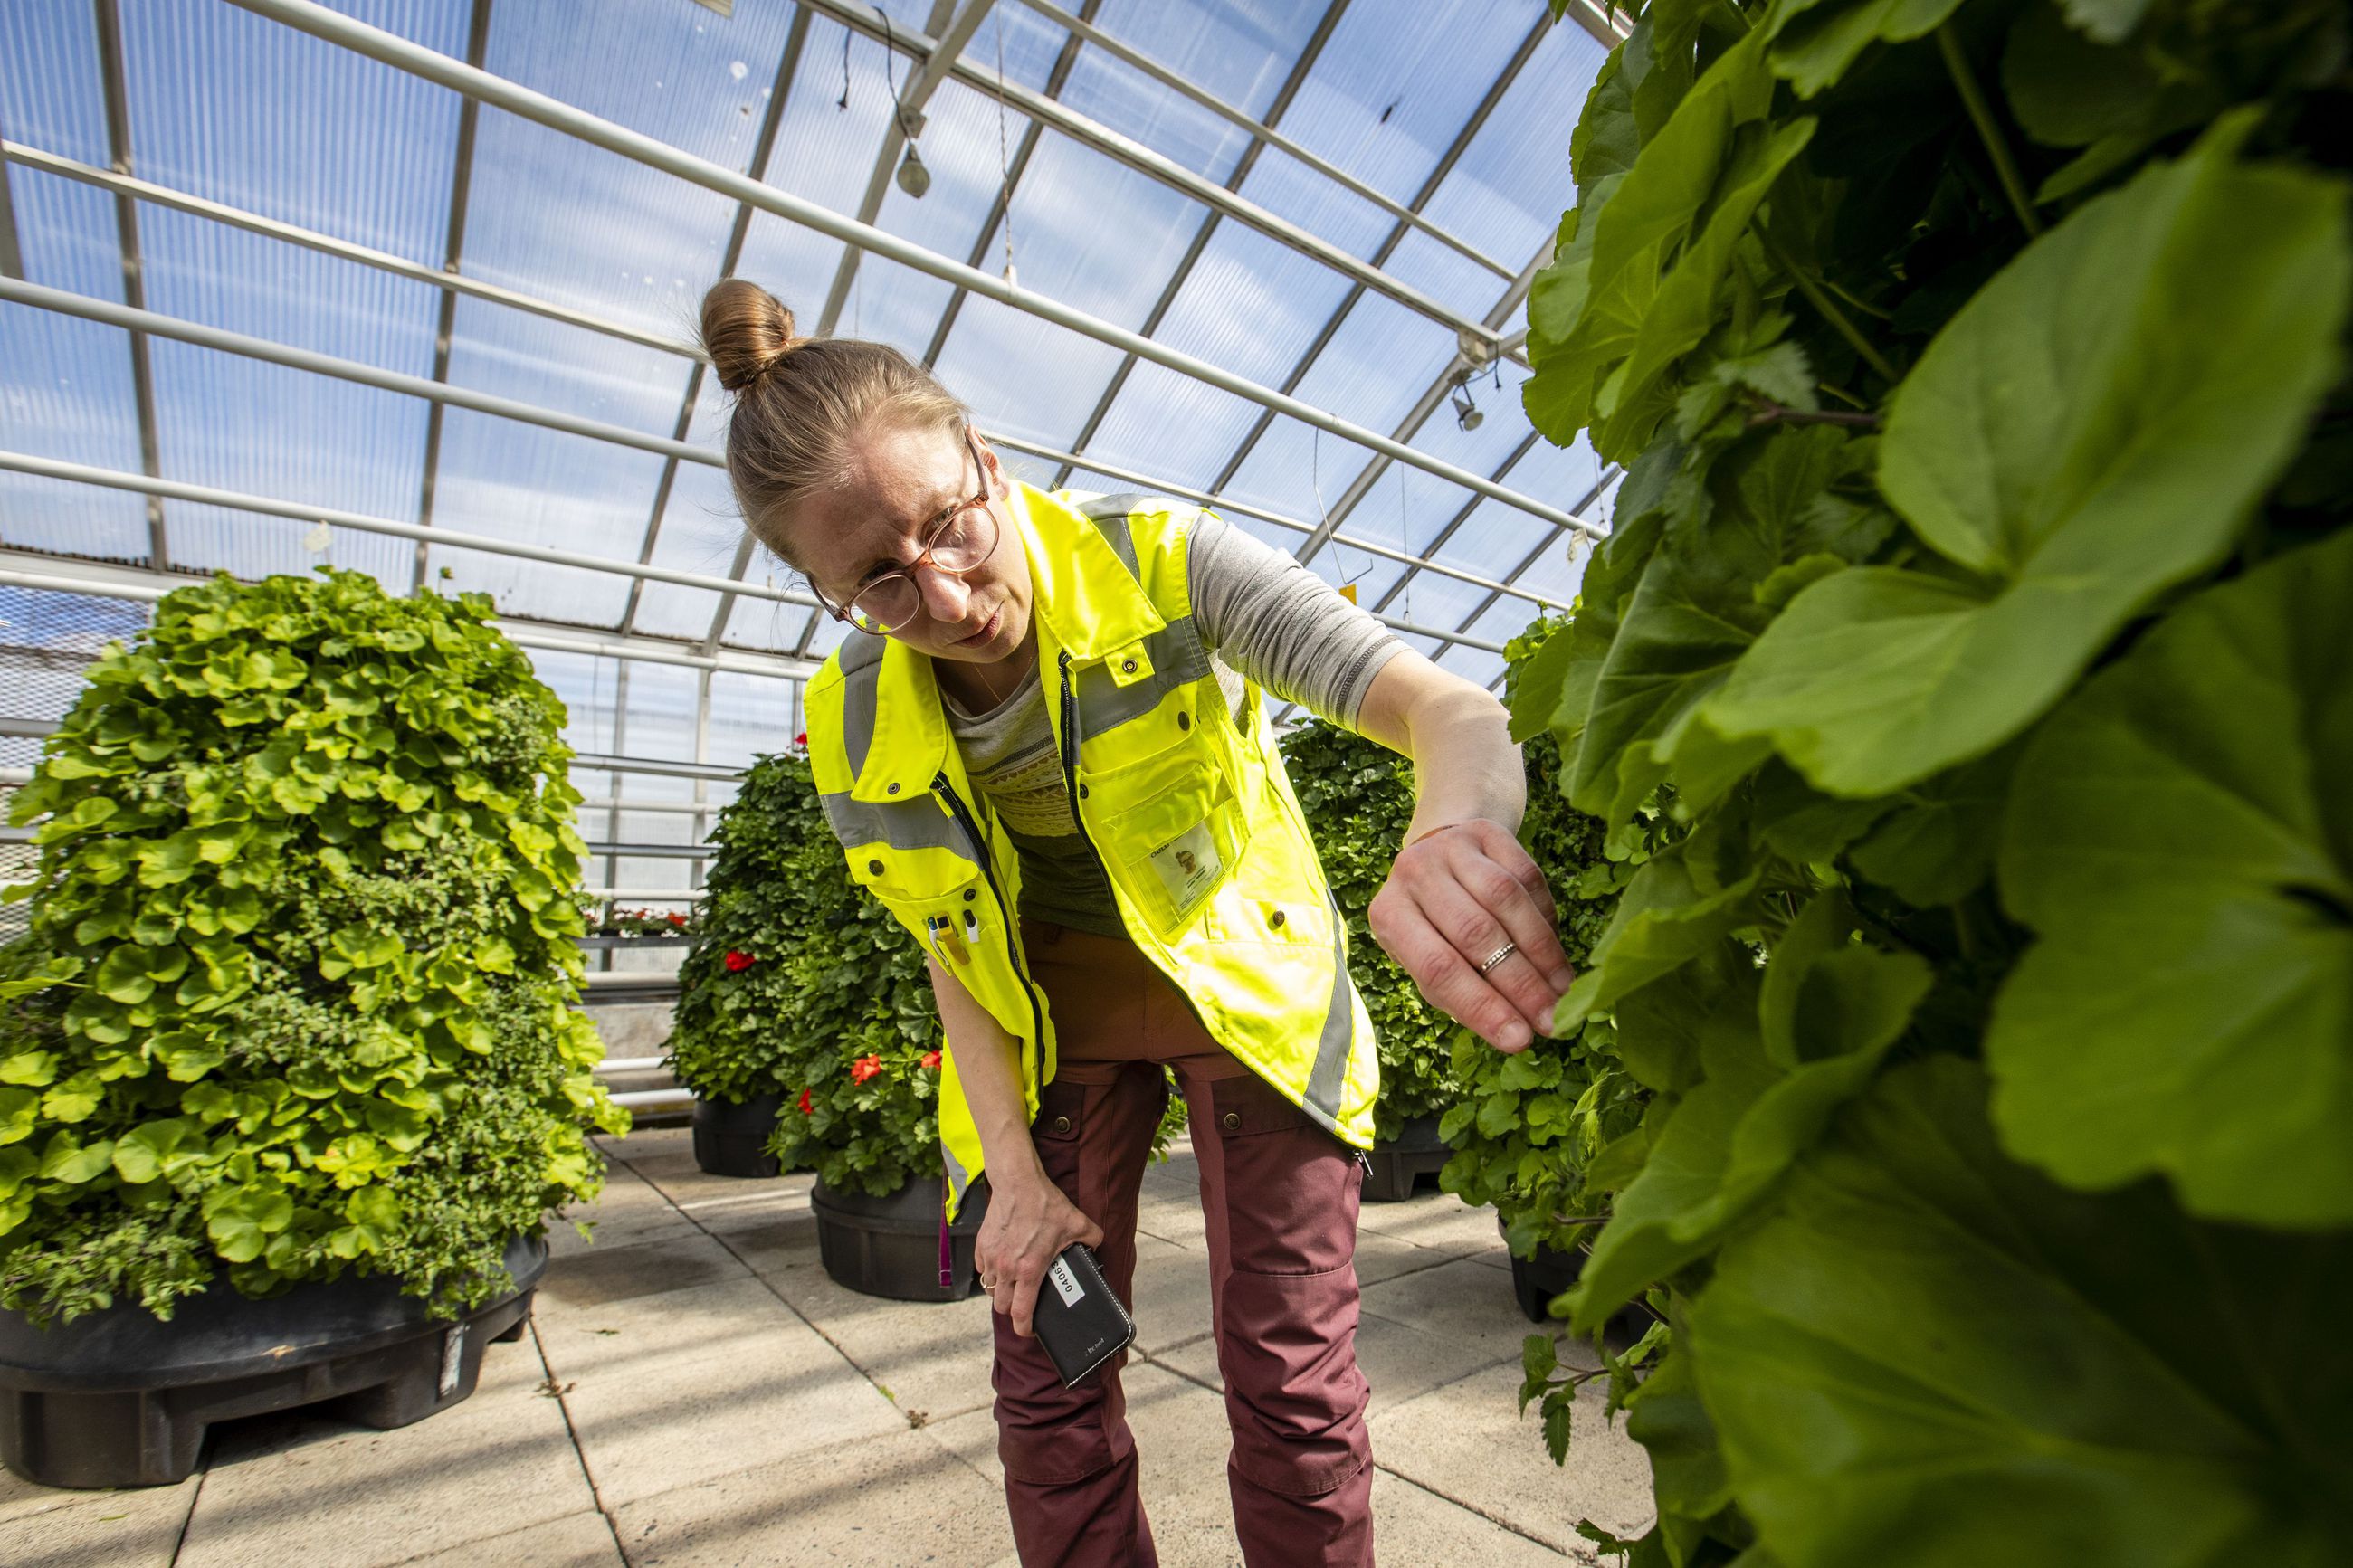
(1027, 1225)
(1455, 897)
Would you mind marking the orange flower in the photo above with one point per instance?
(932, 1060)
(864, 1068)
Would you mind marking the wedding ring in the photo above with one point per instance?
(1497, 957)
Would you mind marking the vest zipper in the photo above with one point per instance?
(962, 815)
(1070, 786)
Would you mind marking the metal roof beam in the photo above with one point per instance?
(269, 506)
(1421, 199)
(461, 180)
(392, 50)
(134, 281)
(1308, 55)
(1230, 507)
(98, 579)
(909, 109)
(1263, 131)
(763, 150)
(12, 256)
(1126, 150)
(326, 244)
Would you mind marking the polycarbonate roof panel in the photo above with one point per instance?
(237, 108)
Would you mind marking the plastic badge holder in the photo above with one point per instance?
(1079, 1320)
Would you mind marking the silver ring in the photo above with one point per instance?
(1497, 957)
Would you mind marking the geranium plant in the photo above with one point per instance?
(306, 903)
(803, 986)
(1979, 588)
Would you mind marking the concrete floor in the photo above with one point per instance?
(694, 1393)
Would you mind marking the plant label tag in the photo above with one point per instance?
(453, 1358)
(1188, 865)
(1065, 1282)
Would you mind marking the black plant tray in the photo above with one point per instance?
(119, 1398)
(1396, 1169)
(731, 1137)
(1537, 1281)
(889, 1247)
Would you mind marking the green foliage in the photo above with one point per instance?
(832, 980)
(1976, 601)
(1357, 796)
(833, 1009)
(298, 992)
(1525, 1128)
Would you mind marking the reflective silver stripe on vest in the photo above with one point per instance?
(1330, 1075)
(1109, 514)
(912, 825)
(958, 1177)
(1178, 657)
(862, 668)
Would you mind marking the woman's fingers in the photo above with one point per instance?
(1446, 977)
(1453, 900)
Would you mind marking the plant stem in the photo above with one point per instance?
(1957, 66)
(1827, 307)
(1771, 413)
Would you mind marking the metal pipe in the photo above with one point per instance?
(653, 1099)
(117, 96)
(391, 49)
(328, 245)
(1126, 150)
(1227, 505)
(1263, 131)
(49, 467)
(631, 1064)
(139, 321)
(461, 181)
(17, 571)
(652, 851)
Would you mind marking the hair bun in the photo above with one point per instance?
(746, 330)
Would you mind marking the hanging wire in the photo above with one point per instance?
(843, 102)
(1405, 540)
(1004, 163)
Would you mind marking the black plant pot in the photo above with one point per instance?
(1537, 1281)
(890, 1246)
(1397, 1167)
(119, 1398)
(731, 1137)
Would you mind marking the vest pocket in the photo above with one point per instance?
(1171, 833)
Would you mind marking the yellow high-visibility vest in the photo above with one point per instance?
(1186, 805)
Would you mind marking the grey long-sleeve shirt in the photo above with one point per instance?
(1263, 615)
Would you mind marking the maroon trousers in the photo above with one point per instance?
(1279, 1194)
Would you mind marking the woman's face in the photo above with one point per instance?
(900, 482)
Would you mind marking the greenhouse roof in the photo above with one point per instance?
(283, 283)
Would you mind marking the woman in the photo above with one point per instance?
(1044, 749)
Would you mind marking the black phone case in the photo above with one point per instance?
(1079, 1320)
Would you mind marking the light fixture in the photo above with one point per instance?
(914, 178)
(1466, 412)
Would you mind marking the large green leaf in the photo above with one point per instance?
(1730, 1142)
(2181, 836)
(1931, 1356)
(2092, 428)
(1814, 41)
(1697, 607)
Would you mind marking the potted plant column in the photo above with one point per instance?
(291, 1072)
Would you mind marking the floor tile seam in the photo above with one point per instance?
(1410, 1273)
(768, 1285)
(180, 1541)
(1468, 1507)
(1151, 1360)
(579, 1455)
(606, 1519)
(1513, 1359)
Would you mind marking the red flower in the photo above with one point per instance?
(806, 1109)
(864, 1068)
(738, 962)
(932, 1060)
(675, 918)
(801, 739)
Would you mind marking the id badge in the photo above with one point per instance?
(1188, 865)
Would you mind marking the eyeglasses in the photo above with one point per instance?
(958, 540)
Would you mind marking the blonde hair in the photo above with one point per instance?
(799, 400)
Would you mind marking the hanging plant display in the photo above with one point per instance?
(298, 994)
(1978, 591)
